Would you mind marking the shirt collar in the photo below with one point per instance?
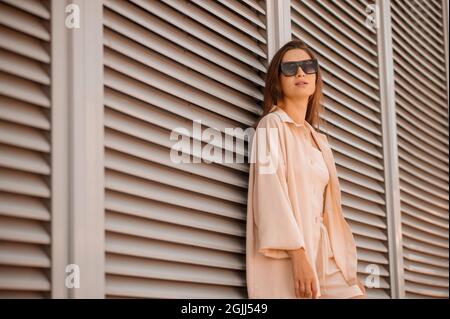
(286, 118)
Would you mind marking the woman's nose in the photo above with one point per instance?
(300, 71)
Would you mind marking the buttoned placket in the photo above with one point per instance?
(324, 238)
(318, 219)
(325, 248)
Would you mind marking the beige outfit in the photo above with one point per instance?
(296, 205)
(332, 282)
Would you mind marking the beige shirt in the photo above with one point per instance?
(282, 208)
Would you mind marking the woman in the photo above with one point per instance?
(299, 244)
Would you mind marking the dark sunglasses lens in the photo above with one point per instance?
(289, 69)
(309, 66)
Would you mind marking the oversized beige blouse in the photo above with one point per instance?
(282, 207)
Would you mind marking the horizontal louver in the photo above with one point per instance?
(24, 149)
(178, 230)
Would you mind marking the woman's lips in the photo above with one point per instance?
(301, 83)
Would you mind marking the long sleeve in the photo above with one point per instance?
(276, 227)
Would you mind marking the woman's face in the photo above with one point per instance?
(290, 89)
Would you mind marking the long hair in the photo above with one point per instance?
(273, 92)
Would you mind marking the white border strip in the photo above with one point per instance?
(60, 151)
(278, 14)
(390, 150)
(87, 150)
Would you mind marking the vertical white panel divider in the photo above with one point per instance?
(278, 25)
(78, 149)
(391, 164)
(60, 150)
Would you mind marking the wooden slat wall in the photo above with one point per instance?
(422, 126)
(25, 148)
(172, 230)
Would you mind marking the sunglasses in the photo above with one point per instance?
(308, 66)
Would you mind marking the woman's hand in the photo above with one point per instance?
(304, 280)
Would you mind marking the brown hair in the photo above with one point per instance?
(273, 92)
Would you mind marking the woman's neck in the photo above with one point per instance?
(296, 109)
